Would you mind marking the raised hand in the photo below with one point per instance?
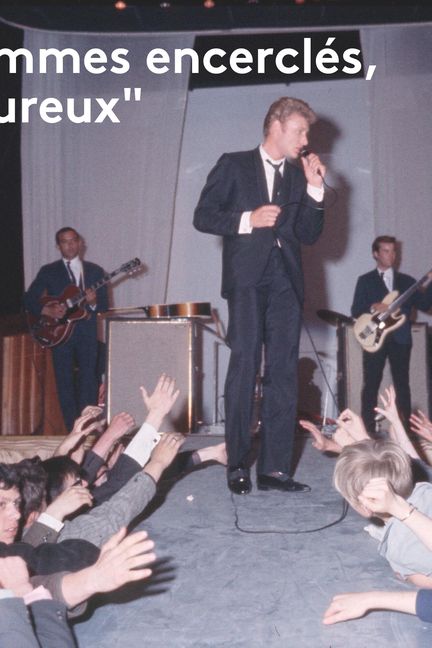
(81, 429)
(320, 441)
(163, 454)
(161, 401)
(121, 423)
(353, 424)
(389, 408)
(421, 425)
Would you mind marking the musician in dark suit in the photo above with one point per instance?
(264, 207)
(80, 351)
(369, 293)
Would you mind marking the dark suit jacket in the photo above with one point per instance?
(237, 184)
(371, 289)
(53, 278)
(50, 625)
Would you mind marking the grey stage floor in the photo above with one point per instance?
(216, 586)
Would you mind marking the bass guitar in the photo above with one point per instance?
(370, 330)
(50, 332)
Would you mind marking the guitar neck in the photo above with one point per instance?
(394, 306)
(81, 298)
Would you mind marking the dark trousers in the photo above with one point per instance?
(79, 352)
(373, 367)
(270, 314)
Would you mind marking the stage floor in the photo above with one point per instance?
(217, 586)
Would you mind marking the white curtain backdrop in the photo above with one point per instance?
(131, 188)
(401, 138)
(114, 183)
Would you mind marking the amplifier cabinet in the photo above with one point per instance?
(138, 351)
(350, 369)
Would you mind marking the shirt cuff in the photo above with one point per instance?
(48, 520)
(141, 446)
(245, 227)
(317, 193)
(39, 594)
(7, 593)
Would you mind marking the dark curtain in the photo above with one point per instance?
(11, 255)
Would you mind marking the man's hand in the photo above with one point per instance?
(379, 307)
(163, 454)
(320, 442)
(90, 297)
(69, 501)
(83, 426)
(314, 169)
(56, 310)
(14, 575)
(122, 560)
(264, 216)
(160, 402)
(120, 425)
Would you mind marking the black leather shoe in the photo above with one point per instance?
(267, 482)
(239, 480)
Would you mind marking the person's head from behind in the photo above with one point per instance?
(10, 503)
(33, 480)
(359, 463)
(62, 472)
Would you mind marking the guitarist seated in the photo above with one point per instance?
(370, 291)
(70, 331)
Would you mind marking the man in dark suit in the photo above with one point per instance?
(81, 349)
(265, 208)
(369, 293)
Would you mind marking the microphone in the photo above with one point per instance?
(304, 153)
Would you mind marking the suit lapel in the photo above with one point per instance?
(286, 184)
(62, 270)
(264, 198)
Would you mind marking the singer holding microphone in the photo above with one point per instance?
(265, 208)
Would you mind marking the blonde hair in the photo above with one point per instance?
(360, 462)
(283, 108)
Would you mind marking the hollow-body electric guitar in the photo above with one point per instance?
(49, 331)
(370, 330)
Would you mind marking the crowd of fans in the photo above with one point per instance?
(64, 521)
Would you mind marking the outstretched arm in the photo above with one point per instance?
(353, 606)
(119, 426)
(159, 404)
(123, 559)
(83, 426)
(320, 441)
